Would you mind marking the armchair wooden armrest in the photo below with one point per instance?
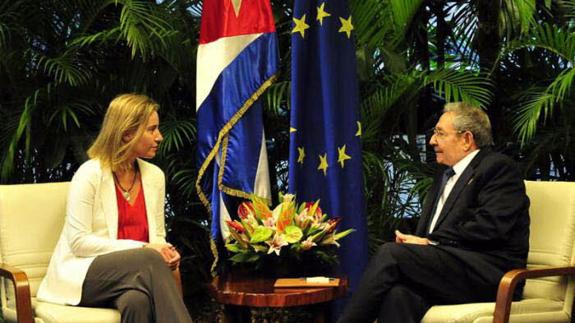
(509, 282)
(21, 291)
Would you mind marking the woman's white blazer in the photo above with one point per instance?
(91, 227)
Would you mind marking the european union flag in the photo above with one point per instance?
(325, 145)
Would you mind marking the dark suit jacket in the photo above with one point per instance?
(486, 213)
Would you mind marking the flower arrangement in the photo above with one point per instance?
(286, 231)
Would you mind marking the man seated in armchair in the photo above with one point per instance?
(474, 227)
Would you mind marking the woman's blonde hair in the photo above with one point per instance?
(127, 114)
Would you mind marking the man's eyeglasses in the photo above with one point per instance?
(438, 133)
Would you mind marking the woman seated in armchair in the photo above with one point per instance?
(112, 250)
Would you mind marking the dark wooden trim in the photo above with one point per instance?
(260, 292)
(22, 292)
(509, 282)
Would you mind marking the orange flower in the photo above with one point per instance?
(261, 209)
(245, 209)
(284, 219)
(238, 227)
(332, 224)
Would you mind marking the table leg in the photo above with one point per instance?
(321, 313)
(237, 314)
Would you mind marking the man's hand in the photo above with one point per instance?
(169, 253)
(408, 238)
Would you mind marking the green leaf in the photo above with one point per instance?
(259, 248)
(233, 247)
(261, 234)
(342, 234)
(245, 257)
(293, 234)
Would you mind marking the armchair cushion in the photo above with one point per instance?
(539, 310)
(55, 313)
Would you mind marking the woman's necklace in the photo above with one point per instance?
(126, 192)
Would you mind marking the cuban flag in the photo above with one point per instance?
(237, 60)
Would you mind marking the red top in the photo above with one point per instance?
(132, 219)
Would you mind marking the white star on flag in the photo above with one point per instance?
(237, 5)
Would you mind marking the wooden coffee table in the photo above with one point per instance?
(238, 294)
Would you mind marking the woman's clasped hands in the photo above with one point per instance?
(169, 253)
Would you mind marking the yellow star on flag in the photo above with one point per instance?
(321, 13)
(323, 164)
(346, 26)
(358, 133)
(292, 129)
(301, 154)
(300, 26)
(342, 156)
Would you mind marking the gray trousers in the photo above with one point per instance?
(138, 283)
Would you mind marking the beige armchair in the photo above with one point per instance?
(549, 290)
(31, 219)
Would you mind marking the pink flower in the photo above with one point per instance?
(269, 222)
(308, 244)
(276, 244)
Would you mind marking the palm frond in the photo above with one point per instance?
(369, 18)
(372, 20)
(548, 37)
(389, 191)
(528, 114)
(542, 103)
(464, 24)
(403, 12)
(90, 10)
(98, 38)
(66, 68)
(569, 6)
(184, 179)
(278, 97)
(177, 134)
(375, 106)
(11, 16)
(69, 113)
(139, 23)
(5, 33)
(516, 17)
(461, 85)
(24, 126)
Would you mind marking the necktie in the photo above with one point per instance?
(446, 176)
